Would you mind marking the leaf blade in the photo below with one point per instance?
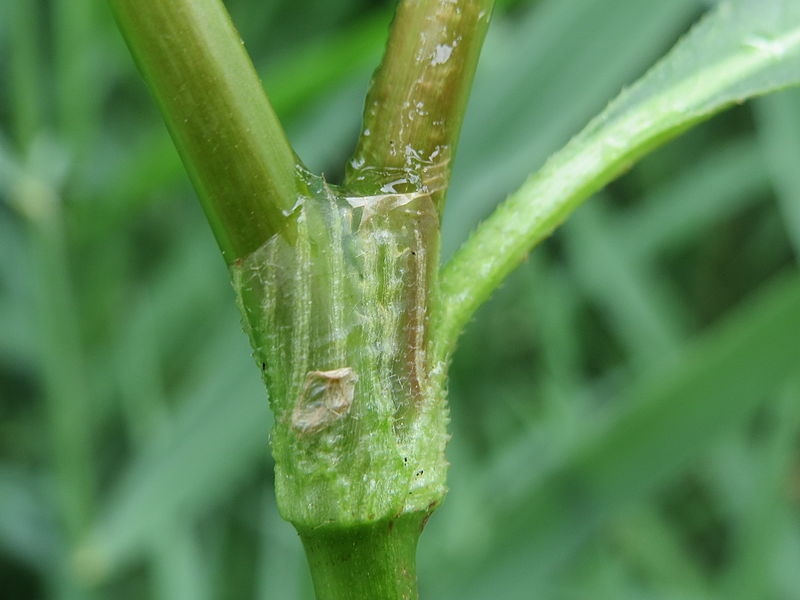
(740, 50)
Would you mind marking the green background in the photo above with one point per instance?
(620, 427)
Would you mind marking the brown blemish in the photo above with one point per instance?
(326, 397)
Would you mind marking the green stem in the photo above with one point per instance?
(338, 311)
(418, 96)
(376, 561)
(218, 114)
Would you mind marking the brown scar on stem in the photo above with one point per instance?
(325, 398)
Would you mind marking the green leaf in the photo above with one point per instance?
(529, 65)
(741, 49)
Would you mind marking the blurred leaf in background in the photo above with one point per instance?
(626, 410)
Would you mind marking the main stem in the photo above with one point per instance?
(376, 561)
(336, 284)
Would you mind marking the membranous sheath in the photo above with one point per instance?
(337, 310)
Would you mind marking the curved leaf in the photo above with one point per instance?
(743, 48)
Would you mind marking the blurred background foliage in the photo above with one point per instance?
(625, 410)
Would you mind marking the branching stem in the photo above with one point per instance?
(218, 114)
(418, 96)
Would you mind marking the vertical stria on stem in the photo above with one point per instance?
(218, 114)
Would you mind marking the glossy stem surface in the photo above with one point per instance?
(218, 114)
(416, 102)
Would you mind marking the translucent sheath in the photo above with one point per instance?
(338, 317)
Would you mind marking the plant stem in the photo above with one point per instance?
(377, 560)
(218, 114)
(338, 311)
(418, 96)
